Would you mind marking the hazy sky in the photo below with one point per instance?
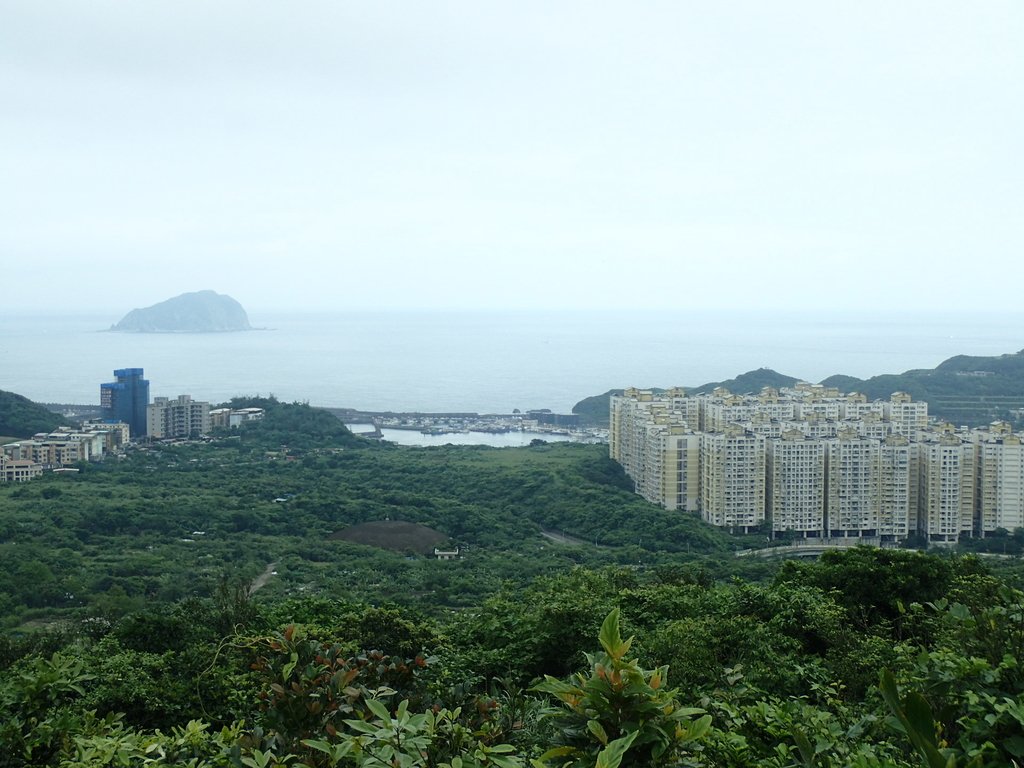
(333, 154)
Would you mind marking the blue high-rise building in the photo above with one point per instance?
(126, 400)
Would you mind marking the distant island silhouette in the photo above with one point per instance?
(197, 312)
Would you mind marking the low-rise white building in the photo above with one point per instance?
(232, 418)
(18, 470)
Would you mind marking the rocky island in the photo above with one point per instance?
(198, 312)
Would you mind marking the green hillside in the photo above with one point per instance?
(20, 417)
(594, 409)
(963, 389)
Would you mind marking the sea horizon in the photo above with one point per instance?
(482, 361)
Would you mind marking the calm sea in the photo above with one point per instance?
(479, 362)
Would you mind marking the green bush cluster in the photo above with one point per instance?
(714, 674)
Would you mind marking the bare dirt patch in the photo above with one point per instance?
(396, 535)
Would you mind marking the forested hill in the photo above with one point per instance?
(20, 417)
(594, 409)
(295, 425)
(963, 389)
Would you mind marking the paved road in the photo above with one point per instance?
(561, 538)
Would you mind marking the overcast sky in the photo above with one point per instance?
(332, 154)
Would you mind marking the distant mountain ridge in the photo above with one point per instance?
(198, 312)
(963, 389)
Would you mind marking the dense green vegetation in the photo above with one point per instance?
(963, 389)
(136, 635)
(20, 417)
(866, 658)
(170, 522)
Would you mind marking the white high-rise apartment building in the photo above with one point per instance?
(795, 488)
(177, 418)
(721, 408)
(814, 425)
(856, 406)
(908, 416)
(772, 404)
(732, 478)
(872, 424)
(818, 409)
(621, 416)
(764, 425)
(1000, 480)
(898, 488)
(947, 482)
(819, 463)
(650, 437)
(854, 485)
(628, 411)
(670, 475)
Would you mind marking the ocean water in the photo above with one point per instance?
(484, 362)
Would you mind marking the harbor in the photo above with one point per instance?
(514, 429)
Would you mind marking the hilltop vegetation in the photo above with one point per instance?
(866, 659)
(20, 417)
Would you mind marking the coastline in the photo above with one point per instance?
(485, 362)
